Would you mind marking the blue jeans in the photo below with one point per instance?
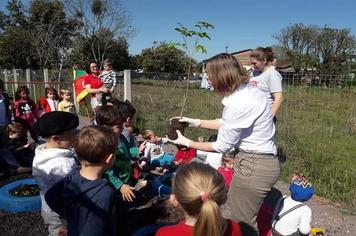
(8, 158)
(166, 159)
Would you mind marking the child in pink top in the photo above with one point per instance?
(227, 167)
(25, 111)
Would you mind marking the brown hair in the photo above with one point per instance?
(65, 91)
(146, 134)
(109, 116)
(14, 128)
(200, 190)
(225, 73)
(261, 54)
(228, 157)
(53, 90)
(95, 143)
(108, 62)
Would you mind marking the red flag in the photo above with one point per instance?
(79, 88)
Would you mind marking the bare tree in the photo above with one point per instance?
(101, 22)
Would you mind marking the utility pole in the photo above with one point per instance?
(226, 47)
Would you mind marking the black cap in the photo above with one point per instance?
(55, 122)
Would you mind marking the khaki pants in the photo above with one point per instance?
(253, 178)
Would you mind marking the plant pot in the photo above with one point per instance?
(176, 125)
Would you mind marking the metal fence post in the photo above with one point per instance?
(127, 85)
(45, 77)
(6, 80)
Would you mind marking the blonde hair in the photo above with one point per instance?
(65, 91)
(200, 190)
(225, 73)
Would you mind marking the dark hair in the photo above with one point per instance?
(95, 143)
(262, 53)
(125, 108)
(225, 73)
(53, 90)
(19, 90)
(87, 69)
(16, 128)
(109, 116)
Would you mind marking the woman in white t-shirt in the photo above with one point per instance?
(246, 126)
(266, 78)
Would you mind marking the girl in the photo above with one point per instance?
(25, 112)
(227, 167)
(266, 78)
(200, 190)
(50, 102)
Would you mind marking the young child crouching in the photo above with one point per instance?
(83, 198)
(199, 190)
(54, 159)
(291, 216)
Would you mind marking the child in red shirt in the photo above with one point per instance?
(227, 167)
(184, 155)
(199, 190)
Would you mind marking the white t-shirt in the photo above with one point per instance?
(298, 219)
(154, 151)
(268, 82)
(247, 123)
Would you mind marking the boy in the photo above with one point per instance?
(54, 159)
(66, 105)
(83, 198)
(291, 216)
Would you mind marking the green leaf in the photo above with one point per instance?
(200, 48)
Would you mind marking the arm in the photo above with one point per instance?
(99, 90)
(278, 99)
(304, 226)
(36, 112)
(60, 106)
(210, 124)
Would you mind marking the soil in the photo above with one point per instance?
(176, 125)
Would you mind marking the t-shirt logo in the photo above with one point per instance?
(253, 83)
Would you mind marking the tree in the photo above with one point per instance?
(163, 57)
(322, 48)
(103, 24)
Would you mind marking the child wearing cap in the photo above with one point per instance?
(83, 198)
(54, 159)
(291, 216)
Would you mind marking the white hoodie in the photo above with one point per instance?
(50, 166)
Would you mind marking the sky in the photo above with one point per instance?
(239, 24)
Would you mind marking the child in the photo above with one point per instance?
(54, 159)
(25, 112)
(184, 155)
(83, 198)
(291, 216)
(154, 150)
(110, 78)
(227, 168)
(50, 101)
(21, 151)
(66, 105)
(199, 190)
(5, 113)
(128, 112)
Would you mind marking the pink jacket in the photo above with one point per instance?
(26, 110)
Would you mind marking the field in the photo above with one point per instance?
(316, 130)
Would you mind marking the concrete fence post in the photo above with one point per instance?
(6, 80)
(28, 80)
(127, 85)
(15, 79)
(45, 77)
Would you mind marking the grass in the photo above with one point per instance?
(313, 130)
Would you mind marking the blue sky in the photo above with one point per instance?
(239, 24)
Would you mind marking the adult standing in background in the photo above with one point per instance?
(247, 127)
(94, 86)
(266, 78)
